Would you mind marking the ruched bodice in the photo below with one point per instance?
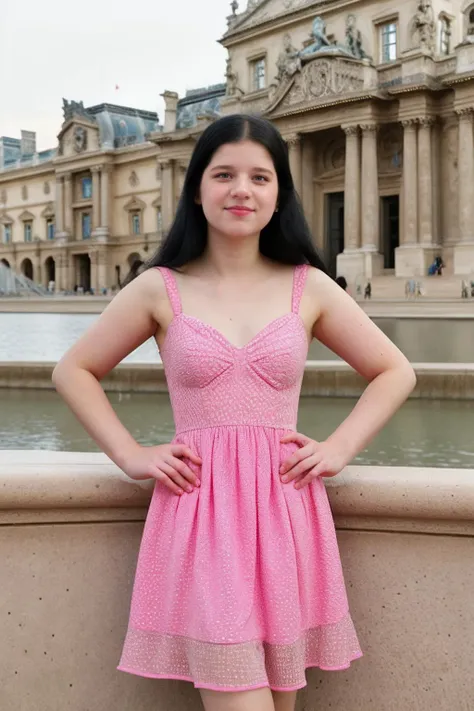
(214, 383)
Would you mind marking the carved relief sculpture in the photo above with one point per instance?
(46, 188)
(24, 192)
(80, 139)
(324, 77)
(424, 26)
(133, 179)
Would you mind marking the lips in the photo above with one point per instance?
(239, 210)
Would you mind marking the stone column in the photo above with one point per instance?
(370, 189)
(466, 175)
(68, 226)
(182, 167)
(95, 197)
(59, 210)
(307, 185)
(294, 154)
(352, 189)
(409, 231)
(104, 198)
(425, 182)
(167, 193)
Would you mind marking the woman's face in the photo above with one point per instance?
(239, 190)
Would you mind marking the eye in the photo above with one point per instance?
(223, 175)
(261, 178)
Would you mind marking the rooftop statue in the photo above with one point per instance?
(354, 38)
(74, 108)
(424, 24)
(322, 44)
(288, 62)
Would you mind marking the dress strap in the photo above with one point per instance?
(299, 279)
(171, 289)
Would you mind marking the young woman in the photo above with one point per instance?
(239, 586)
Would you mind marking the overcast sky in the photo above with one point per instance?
(82, 50)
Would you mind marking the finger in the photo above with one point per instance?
(181, 450)
(183, 470)
(295, 458)
(301, 468)
(295, 437)
(176, 477)
(307, 479)
(163, 478)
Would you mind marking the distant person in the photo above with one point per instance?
(342, 282)
(368, 291)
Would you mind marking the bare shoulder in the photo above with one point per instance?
(149, 289)
(319, 283)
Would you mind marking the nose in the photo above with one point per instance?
(241, 187)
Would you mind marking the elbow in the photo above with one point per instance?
(410, 377)
(56, 375)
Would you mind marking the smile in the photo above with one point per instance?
(239, 210)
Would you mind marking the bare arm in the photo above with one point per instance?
(128, 321)
(347, 330)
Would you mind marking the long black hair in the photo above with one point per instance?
(286, 238)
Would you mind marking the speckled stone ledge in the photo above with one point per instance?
(325, 378)
(79, 485)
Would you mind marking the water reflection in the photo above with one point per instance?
(45, 337)
(422, 433)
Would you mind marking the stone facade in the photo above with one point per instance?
(83, 213)
(376, 106)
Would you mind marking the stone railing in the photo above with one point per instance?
(70, 527)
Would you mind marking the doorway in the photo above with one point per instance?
(334, 229)
(390, 237)
(50, 270)
(82, 271)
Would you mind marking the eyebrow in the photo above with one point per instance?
(231, 167)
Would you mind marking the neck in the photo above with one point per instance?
(225, 257)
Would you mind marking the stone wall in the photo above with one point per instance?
(70, 527)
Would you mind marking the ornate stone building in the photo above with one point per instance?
(375, 101)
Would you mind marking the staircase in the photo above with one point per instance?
(440, 288)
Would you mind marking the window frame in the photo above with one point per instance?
(254, 63)
(28, 231)
(83, 180)
(136, 214)
(7, 230)
(387, 23)
(87, 214)
(50, 223)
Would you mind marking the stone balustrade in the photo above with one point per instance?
(70, 527)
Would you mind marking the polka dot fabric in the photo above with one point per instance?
(238, 584)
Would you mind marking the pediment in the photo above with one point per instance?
(134, 204)
(157, 201)
(48, 210)
(259, 12)
(78, 136)
(26, 216)
(319, 80)
(5, 219)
